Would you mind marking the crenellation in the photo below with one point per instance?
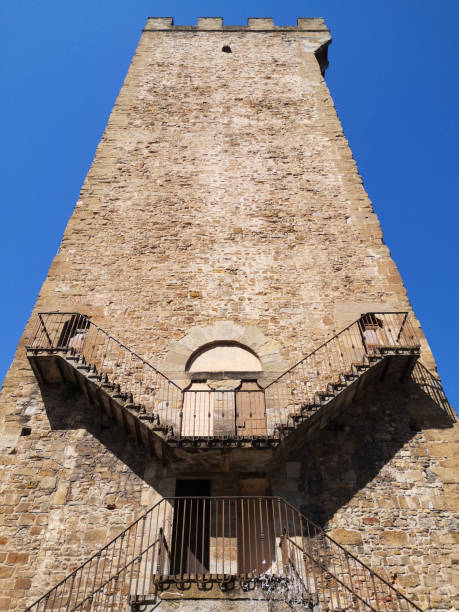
(210, 23)
(260, 23)
(160, 23)
(254, 24)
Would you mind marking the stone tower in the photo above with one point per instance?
(224, 350)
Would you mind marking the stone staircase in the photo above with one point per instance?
(387, 366)
(68, 348)
(264, 550)
(65, 366)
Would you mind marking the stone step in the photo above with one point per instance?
(286, 428)
(149, 417)
(108, 386)
(350, 378)
(324, 398)
(95, 376)
(336, 387)
(310, 409)
(120, 396)
(298, 419)
(135, 407)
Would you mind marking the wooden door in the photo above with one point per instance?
(197, 411)
(250, 410)
(373, 333)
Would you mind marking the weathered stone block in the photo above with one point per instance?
(6, 572)
(447, 475)
(447, 538)
(47, 482)
(393, 538)
(346, 536)
(17, 558)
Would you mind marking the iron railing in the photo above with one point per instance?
(432, 387)
(223, 413)
(247, 412)
(138, 382)
(300, 391)
(254, 543)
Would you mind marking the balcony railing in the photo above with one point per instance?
(223, 413)
(260, 544)
(247, 412)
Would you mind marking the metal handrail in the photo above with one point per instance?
(223, 540)
(299, 390)
(115, 577)
(102, 331)
(136, 381)
(432, 387)
(336, 336)
(346, 552)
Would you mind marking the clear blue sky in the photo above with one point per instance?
(393, 75)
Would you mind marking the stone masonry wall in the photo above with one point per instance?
(382, 479)
(223, 189)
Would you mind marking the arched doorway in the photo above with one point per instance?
(224, 398)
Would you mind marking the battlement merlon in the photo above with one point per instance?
(312, 30)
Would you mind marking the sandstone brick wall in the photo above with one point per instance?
(223, 189)
(382, 479)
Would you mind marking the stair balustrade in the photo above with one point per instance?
(337, 364)
(257, 544)
(139, 386)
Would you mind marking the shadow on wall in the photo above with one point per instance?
(68, 409)
(432, 387)
(348, 455)
(340, 461)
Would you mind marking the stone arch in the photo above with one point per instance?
(266, 349)
(224, 356)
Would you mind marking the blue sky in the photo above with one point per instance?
(393, 75)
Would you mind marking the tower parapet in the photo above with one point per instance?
(311, 30)
(254, 24)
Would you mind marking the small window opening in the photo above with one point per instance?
(26, 431)
(226, 49)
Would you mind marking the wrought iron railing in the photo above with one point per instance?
(144, 388)
(224, 413)
(247, 412)
(301, 390)
(431, 385)
(254, 543)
